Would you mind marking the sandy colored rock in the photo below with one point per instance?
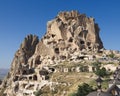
(67, 36)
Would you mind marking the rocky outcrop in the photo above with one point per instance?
(20, 64)
(67, 37)
(25, 51)
(75, 28)
(70, 33)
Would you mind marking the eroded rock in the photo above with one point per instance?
(68, 36)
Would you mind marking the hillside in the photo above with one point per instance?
(61, 60)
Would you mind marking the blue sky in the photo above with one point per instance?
(19, 18)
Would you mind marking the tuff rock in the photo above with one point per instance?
(68, 35)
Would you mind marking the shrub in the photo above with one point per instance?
(111, 55)
(101, 72)
(38, 93)
(83, 90)
(96, 65)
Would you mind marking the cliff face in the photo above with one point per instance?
(67, 36)
(73, 30)
(19, 65)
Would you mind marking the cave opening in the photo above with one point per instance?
(56, 50)
(35, 77)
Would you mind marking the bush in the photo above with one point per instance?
(101, 72)
(111, 55)
(72, 94)
(83, 90)
(96, 65)
(38, 93)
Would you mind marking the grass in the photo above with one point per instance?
(75, 79)
(71, 79)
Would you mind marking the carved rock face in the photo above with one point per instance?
(29, 44)
(70, 31)
(67, 35)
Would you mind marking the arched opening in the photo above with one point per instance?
(24, 72)
(34, 77)
(62, 57)
(37, 60)
(56, 50)
(31, 71)
(52, 69)
(43, 72)
(16, 78)
(46, 77)
(53, 35)
(82, 42)
(70, 39)
(30, 78)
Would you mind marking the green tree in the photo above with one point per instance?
(83, 90)
(96, 65)
(101, 72)
(112, 55)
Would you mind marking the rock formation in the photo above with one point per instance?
(67, 36)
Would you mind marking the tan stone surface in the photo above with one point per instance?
(67, 36)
